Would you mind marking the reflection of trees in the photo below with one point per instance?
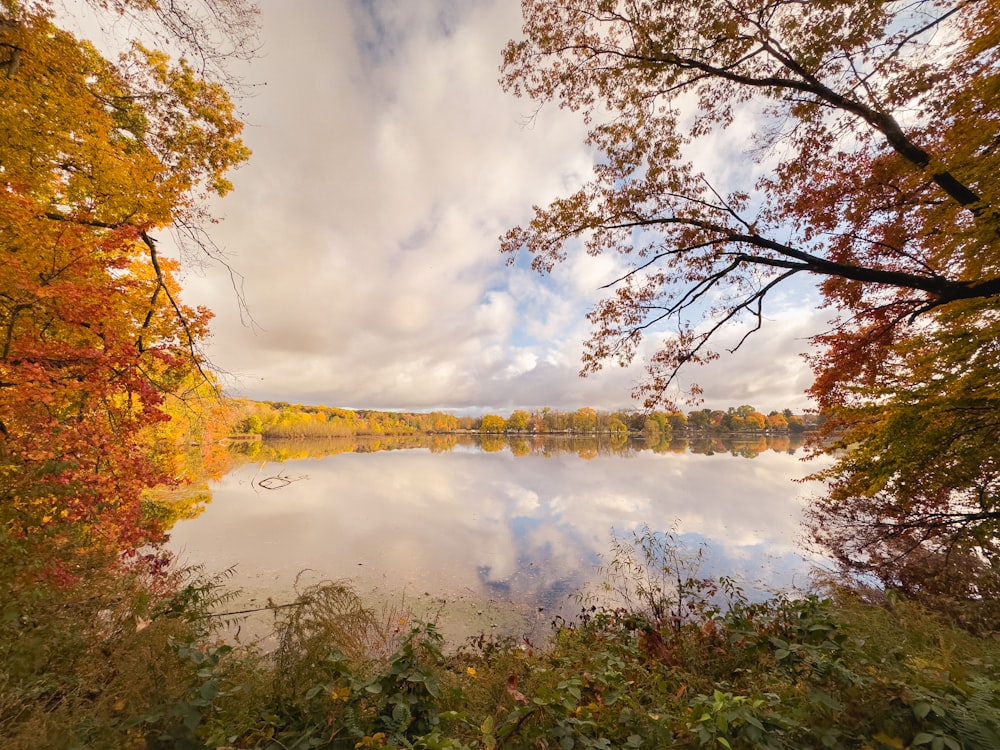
(248, 448)
(442, 443)
(749, 449)
(519, 446)
(782, 444)
(584, 446)
(665, 444)
(494, 443)
(290, 450)
(707, 446)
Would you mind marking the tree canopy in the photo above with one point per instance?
(873, 149)
(95, 157)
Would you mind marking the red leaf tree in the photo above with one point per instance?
(95, 157)
(873, 131)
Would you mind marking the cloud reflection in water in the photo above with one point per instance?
(530, 529)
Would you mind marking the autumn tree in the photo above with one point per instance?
(678, 420)
(913, 498)
(657, 427)
(777, 421)
(96, 157)
(493, 424)
(872, 118)
(617, 427)
(518, 420)
(872, 160)
(700, 419)
(584, 419)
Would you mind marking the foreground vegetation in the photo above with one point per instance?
(130, 658)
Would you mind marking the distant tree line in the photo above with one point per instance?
(280, 419)
(655, 424)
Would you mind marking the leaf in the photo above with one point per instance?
(891, 741)
(516, 694)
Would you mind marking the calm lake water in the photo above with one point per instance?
(497, 535)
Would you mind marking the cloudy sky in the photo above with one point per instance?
(387, 161)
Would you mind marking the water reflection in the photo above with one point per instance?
(585, 446)
(521, 523)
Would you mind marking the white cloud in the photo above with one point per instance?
(386, 163)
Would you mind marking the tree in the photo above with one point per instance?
(493, 423)
(915, 502)
(584, 420)
(777, 421)
(444, 422)
(897, 217)
(733, 422)
(795, 424)
(678, 422)
(251, 425)
(518, 420)
(876, 146)
(96, 156)
(657, 427)
(700, 419)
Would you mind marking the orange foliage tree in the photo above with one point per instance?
(96, 156)
(897, 217)
(875, 137)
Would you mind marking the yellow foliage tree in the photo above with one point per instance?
(96, 156)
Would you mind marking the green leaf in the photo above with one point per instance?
(432, 687)
(209, 690)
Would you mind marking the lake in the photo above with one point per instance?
(496, 534)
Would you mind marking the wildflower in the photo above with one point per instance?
(471, 671)
(375, 740)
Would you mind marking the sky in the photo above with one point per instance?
(386, 163)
